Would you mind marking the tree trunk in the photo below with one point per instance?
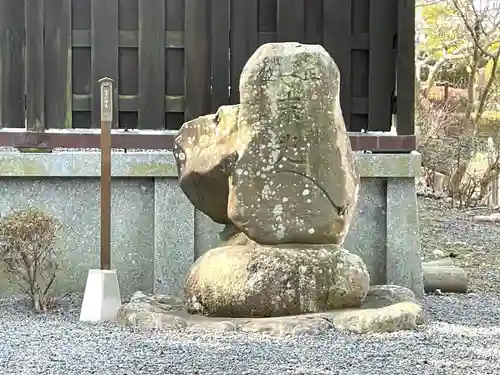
(469, 131)
(487, 178)
(458, 176)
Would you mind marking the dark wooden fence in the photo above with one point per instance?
(173, 60)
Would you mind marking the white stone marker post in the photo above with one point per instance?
(102, 299)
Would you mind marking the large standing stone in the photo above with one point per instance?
(279, 166)
(295, 180)
(263, 280)
(279, 171)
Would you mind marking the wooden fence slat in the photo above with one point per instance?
(220, 13)
(405, 76)
(244, 39)
(291, 23)
(197, 58)
(81, 62)
(151, 64)
(267, 19)
(34, 52)
(337, 41)
(12, 113)
(128, 63)
(183, 65)
(313, 18)
(268, 16)
(104, 53)
(174, 61)
(57, 64)
(381, 75)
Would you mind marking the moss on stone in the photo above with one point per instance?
(152, 169)
(22, 167)
(388, 165)
(35, 150)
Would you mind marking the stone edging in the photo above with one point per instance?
(162, 164)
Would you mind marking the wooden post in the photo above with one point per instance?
(106, 121)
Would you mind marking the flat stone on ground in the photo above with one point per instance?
(393, 314)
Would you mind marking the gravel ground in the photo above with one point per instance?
(463, 338)
(462, 335)
(475, 246)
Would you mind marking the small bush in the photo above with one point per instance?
(27, 247)
(447, 149)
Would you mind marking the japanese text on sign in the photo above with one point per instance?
(106, 103)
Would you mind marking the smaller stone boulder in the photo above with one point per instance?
(151, 312)
(265, 280)
(438, 263)
(204, 149)
(492, 218)
(386, 295)
(392, 318)
(447, 279)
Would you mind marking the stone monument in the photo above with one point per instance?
(278, 170)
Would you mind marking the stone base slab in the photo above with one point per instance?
(388, 308)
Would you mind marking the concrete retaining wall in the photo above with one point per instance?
(157, 233)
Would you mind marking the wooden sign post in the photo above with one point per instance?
(102, 299)
(106, 124)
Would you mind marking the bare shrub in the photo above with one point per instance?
(27, 247)
(436, 136)
(445, 147)
(468, 193)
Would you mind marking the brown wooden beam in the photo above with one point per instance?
(163, 140)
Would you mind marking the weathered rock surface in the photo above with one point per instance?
(438, 262)
(442, 275)
(397, 317)
(263, 281)
(447, 279)
(295, 180)
(385, 295)
(204, 149)
(492, 218)
(166, 313)
(279, 166)
(152, 312)
(278, 170)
